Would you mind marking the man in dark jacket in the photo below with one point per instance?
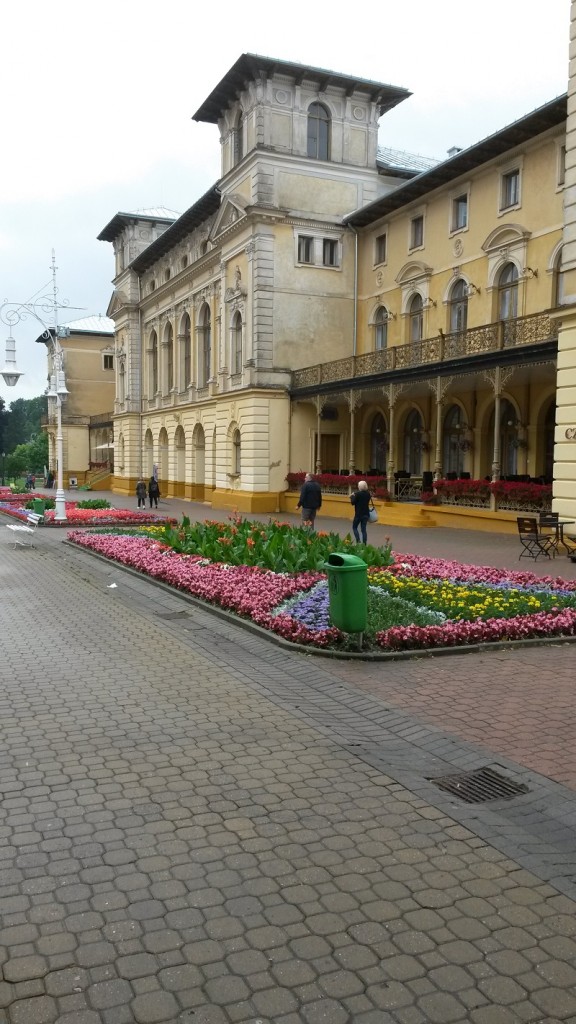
(310, 500)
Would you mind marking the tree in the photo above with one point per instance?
(23, 421)
(28, 458)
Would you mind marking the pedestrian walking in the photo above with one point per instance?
(141, 493)
(362, 500)
(310, 500)
(153, 491)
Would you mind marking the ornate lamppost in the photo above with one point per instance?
(43, 308)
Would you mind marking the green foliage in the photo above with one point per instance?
(31, 457)
(94, 503)
(273, 545)
(385, 611)
(48, 502)
(22, 423)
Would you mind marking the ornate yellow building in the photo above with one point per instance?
(87, 431)
(329, 305)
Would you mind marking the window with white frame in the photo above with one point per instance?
(319, 252)
(318, 140)
(510, 189)
(417, 232)
(329, 252)
(561, 174)
(108, 361)
(381, 329)
(416, 318)
(381, 248)
(459, 212)
(236, 344)
(305, 249)
(236, 453)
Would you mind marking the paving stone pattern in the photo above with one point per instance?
(177, 847)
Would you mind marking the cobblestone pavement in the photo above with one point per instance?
(199, 828)
(520, 704)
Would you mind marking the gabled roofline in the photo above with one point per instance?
(250, 66)
(529, 127)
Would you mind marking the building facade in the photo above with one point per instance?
(326, 306)
(87, 426)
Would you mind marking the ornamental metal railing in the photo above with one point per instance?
(504, 334)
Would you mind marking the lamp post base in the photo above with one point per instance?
(60, 511)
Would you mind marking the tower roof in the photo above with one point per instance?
(250, 66)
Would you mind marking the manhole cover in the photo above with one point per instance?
(479, 786)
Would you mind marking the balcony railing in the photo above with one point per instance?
(504, 334)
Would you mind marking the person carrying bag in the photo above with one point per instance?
(362, 500)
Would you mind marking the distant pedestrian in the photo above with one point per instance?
(153, 491)
(141, 493)
(310, 500)
(361, 499)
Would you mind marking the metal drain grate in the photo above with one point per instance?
(480, 786)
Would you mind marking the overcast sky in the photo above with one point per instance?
(98, 98)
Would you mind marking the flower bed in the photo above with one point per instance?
(414, 604)
(84, 516)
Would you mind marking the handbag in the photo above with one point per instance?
(372, 514)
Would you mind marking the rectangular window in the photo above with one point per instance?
(380, 249)
(305, 249)
(329, 253)
(510, 189)
(561, 165)
(460, 212)
(416, 232)
(108, 362)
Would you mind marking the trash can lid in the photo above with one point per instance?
(342, 559)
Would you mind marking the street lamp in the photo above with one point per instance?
(3, 462)
(42, 308)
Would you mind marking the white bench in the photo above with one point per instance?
(27, 529)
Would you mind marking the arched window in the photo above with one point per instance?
(236, 344)
(508, 438)
(458, 305)
(416, 315)
(454, 441)
(187, 343)
(153, 364)
(236, 453)
(558, 296)
(413, 443)
(205, 352)
(508, 301)
(318, 132)
(169, 346)
(378, 443)
(381, 329)
(508, 292)
(238, 139)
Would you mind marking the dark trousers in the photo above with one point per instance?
(153, 499)
(361, 521)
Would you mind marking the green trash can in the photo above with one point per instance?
(38, 506)
(347, 591)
